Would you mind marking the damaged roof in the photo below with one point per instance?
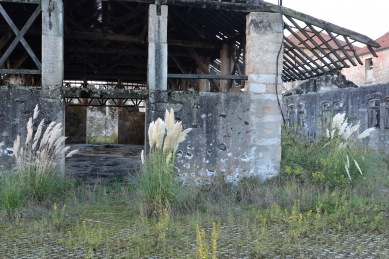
(107, 40)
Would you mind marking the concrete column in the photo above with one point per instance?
(52, 104)
(157, 55)
(226, 65)
(264, 36)
(203, 84)
(157, 64)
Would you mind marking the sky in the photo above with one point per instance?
(368, 17)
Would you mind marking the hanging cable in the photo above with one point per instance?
(278, 55)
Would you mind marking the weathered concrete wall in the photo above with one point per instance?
(311, 110)
(16, 107)
(221, 139)
(75, 124)
(131, 126)
(364, 74)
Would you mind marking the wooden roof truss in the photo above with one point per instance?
(107, 40)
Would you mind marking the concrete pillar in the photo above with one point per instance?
(226, 65)
(52, 105)
(157, 55)
(203, 84)
(157, 64)
(264, 36)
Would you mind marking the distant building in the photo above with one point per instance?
(375, 70)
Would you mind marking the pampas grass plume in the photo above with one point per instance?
(36, 112)
(357, 165)
(365, 134)
(30, 130)
(169, 120)
(71, 153)
(159, 132)
(151, 134)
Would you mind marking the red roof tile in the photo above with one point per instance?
(383, 41)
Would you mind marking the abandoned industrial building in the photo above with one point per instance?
(116, 65)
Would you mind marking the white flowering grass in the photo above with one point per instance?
(157, 183)
(343, 147)
(37, 175)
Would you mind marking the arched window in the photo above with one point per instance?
(374, 113)
(337, 108)
(292, 115)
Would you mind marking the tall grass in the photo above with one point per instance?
(37, 175)
(337, 158)
(157, 184)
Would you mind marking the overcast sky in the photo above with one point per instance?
(366, 17)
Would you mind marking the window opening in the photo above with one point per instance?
(387, 113)
(374, 113)
(300, 115)
(338, 107)
(292, 116)
(369, 64)
(326, 111)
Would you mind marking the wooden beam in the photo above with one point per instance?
(181, 67)
(296, 48)
(353, 50)
(69, 76)
(317, 34)
(204, 69)
(132, 52)
(20, 71)
(265, 7)
(207, 76)
(136, 39)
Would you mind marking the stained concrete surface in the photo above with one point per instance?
(103, 163)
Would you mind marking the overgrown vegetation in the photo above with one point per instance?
(36, 176)
(298, 214)
(157, 184)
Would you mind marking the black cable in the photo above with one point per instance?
(278, 55)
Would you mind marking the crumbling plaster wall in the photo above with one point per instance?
(353, 101)
(377, 74)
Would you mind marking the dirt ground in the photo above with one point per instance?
(103, 163)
